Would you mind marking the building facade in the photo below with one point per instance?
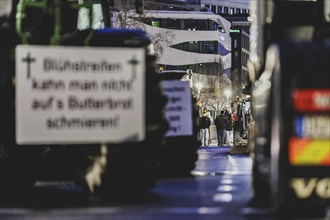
(226, 7)
(237, 12)
(178, 5)
(196, 40)
(240, 56)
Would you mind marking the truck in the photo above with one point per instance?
(290, 91)
(80, 101)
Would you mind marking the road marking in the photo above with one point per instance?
(66, 211)
(226, 188)
(205, 173)
(187, 210)
(222, 197)
(253, 211)
(226, 181)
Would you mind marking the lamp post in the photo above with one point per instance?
(199, 86)
(189, 73)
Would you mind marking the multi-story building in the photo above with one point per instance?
(187, 5)
(240, 56)
(197, 40)
(237, 12)
(226, 7)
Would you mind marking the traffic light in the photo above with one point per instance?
(139, 6)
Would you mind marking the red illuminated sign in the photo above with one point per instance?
(312, 100)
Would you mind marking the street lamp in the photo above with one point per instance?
(199, 86)
(227, 94)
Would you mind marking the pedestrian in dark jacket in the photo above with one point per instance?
(221, 122)
(205, 126)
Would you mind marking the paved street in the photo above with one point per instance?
(219, 189)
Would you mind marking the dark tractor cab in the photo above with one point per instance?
(289, 133)
(96, 165)
(179, 152)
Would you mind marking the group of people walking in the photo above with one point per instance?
(224, 125)
(224, 128)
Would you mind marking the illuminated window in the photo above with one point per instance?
(155, 23)
(213, 8)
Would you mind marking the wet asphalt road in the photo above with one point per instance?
(219, 189)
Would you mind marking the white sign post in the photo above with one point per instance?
(71, 95)
(178, 108)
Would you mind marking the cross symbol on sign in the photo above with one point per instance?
(133, 62)
(28, 59)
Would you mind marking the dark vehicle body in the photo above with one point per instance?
(290, 93)
(179, 153)
(100, 167)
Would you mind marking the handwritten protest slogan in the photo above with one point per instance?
(178, 108)
(79, 95)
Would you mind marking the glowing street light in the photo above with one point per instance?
(199, 86)
(227, 93)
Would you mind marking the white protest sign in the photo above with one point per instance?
(70, 95)
(178, 108)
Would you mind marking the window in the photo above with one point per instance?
(238, 10)
(155, 23)
(193, 46)
(205, 47)
(214, 26)
(209, 47)
(171, 23)
(83, 18)
(226, 10)
(219, 9)
(196, 24)
(231, 11)
(213, 8)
